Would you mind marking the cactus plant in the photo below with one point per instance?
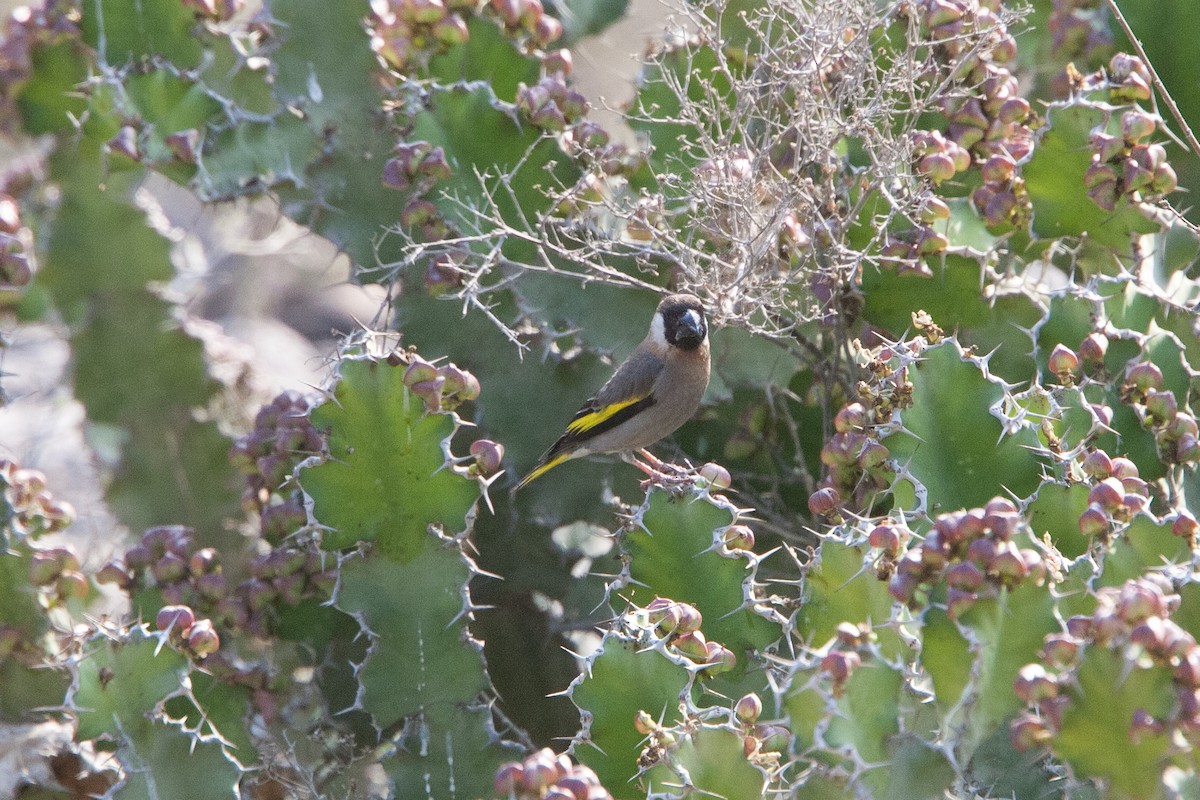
(933, 532)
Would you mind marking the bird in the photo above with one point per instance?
(652, 393)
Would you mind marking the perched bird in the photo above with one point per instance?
(652, 393)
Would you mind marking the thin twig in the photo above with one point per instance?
(1158, 84)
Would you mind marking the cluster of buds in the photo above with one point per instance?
(856, 462)
(1128, 80)
(1079, 34)
(678, 625)
(196, 638)
(1175, 430)
(1125, 166)
(1001, 200)
(421, 216)
(418, 166)
(441, 388)
(167, 559)
(762, 742)
(993, 121)
(551, 105)
(30, 510)
(905, 251)
(1116, 497)
(844, 657)
(973, 552)
(546, 776)
(408, 32)
(1134, 621)
(55, 572)
(444, 271)
(527, 19)
(937, 157)
(956, 26)
(283, 436)
(990, 124)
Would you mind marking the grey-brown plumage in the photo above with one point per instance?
(652, 393)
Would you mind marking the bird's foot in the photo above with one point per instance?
(663, 473)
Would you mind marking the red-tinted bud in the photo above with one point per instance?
(1097, 465)
(204, 561)
(1184, 525)
(114, 573)
(748, 709)
(1034, 684)
(840, 665)
(1144, 376)
(1150, 635)
(1060, 649)
(885, 538)
(202, 639)
(1108, 494)
(966, 576)
(716, 476)
(852, 418)
(1093, 521)
(693, 645)
(1063, 362)
(738, 537)
(1093, 347)
(184, 145)
(1124, 468)
(177, 619)
(72, 584)
(824, 502)
(719, 657)
(1028, 733)
(488, 455)
(1137, 125)
(959, 602)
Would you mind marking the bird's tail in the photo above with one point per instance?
(542, 469)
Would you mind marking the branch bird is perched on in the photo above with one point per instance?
(655, 390)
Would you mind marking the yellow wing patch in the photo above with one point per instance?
(589, 421)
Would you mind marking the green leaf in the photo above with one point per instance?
(1095, 726)
(712, 760)
(620, 682)
(1054, 179)
(673, 547)
(951, 441)
(125, 31)
(120, 694)
(386, 479)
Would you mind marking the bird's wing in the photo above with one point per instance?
(628, 392)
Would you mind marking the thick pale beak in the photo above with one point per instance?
(691, 330)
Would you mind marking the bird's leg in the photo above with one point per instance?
(659, 471)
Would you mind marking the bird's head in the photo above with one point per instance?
(679, 322)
